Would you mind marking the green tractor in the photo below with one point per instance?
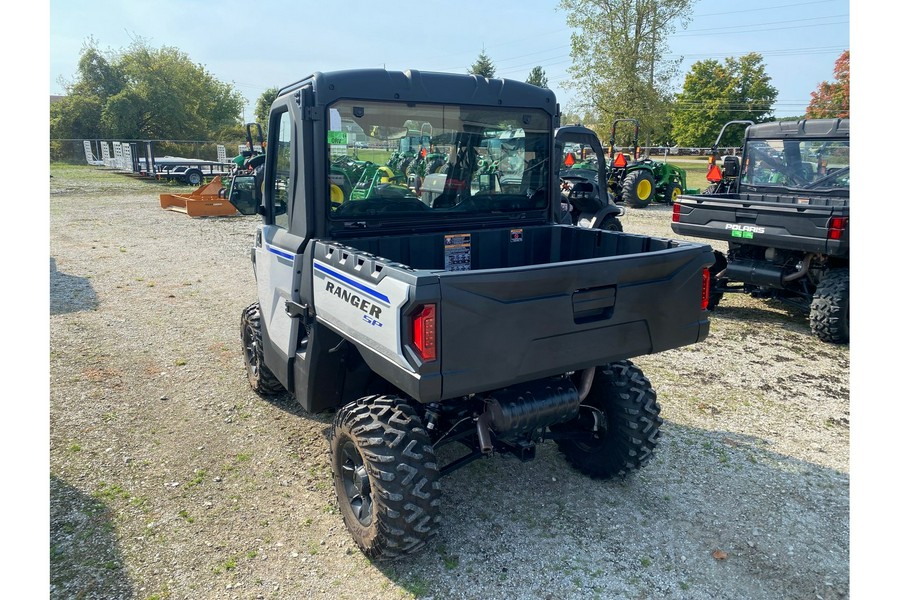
(636, 181)
(248, 162)
(415, 153)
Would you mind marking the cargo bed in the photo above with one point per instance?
(539, 301)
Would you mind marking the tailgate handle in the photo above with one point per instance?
(746, 216)
(593, 304)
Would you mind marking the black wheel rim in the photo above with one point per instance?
(355, 480)
(251, 352)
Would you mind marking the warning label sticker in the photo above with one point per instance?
(458, 252)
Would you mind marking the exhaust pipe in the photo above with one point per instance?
(515, 411)
(801, 272)
(585, 383)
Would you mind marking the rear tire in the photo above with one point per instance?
(638, 189)
(262, 380)
(385, 475)
(829, 314)
(622, 414)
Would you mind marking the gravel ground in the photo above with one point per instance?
(169, 478)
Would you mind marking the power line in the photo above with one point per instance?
(764, 27)
(558, 59)
(765, 8)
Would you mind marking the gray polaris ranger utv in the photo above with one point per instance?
(465, 306)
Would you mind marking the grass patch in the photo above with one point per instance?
(229, 564)
(198, 478)
(416, 586)
(111, 492)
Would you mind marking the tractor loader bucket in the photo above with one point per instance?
(202, 202)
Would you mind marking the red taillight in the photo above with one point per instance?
(837, 226)
(704, 292)
(620, 161)
(676, 213)
(424, 326)
(714, 175)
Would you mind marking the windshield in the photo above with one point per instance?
(813, 164)
(579, 161)
(389, 160)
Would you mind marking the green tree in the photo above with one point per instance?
(264, 104)
(98, 77)
(617, 51)
(537, 77)
(483, 66)
(144, 93)
(832, 100)
(715, 93)
(75, 117)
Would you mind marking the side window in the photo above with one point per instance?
(282, 181)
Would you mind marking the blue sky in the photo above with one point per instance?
(266, 43)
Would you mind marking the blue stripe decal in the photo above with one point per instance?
(279, 253)
(350, 282)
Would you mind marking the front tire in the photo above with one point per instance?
(673, 192)
(611, 224)
(829, 314)
(262, 380)
(638, 189)
(385, 475)
(622, 416)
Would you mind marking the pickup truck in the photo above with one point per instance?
(471, 310)
(783, 207)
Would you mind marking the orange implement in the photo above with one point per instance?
(202, 202)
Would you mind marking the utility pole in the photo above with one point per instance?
(652, 63)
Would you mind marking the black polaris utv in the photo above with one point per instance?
(784, 209)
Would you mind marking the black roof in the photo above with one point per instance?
(425, 86)
(805, 128)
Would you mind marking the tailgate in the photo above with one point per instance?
(787, 225)
(499, 327)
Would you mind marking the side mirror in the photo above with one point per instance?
(245, 194)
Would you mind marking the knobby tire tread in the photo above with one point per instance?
(622, 391)
(829, 313)
(403, 471)
(263, 382)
